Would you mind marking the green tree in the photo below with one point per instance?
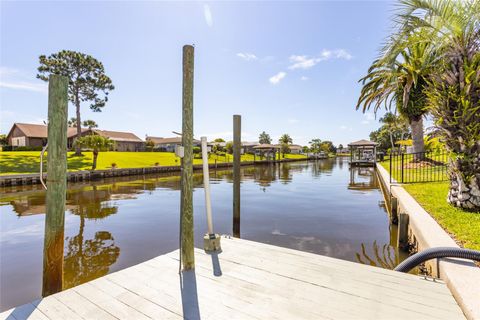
(264, 138)
(229, 147)
(72, 122)
(328, 147)
(453, 92)
(3, 140)
(305, 149)
(285, 142)
(340, 146)
(219, 140)
(90, 124)
(87, 80)
(149, 144)
(315, 145)
(96, 143)
(400, 78)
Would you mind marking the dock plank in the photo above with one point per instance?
(248, 280)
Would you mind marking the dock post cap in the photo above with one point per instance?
(211, 243)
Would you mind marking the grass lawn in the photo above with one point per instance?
(462, 225)
(29, 161)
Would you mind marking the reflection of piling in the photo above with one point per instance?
(236, 174)
(186, 205)
(57, 185)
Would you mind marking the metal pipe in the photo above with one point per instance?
(435, 253)
(41, 165)
(206, 185)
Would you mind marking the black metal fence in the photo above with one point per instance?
(419, 167)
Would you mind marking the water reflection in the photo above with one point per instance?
(319, 206)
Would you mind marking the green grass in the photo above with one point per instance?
(464, 226)
(29, 161)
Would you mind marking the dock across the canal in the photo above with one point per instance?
(249, 280)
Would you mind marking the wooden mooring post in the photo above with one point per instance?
(237, 144)
(186, 204)
(56, 184)
(403, 221)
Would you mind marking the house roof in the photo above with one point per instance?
(117, 135)
(250, 143)
(173, 140)
(362, 142)
(266, 146)
(40, 130)
(295, 147)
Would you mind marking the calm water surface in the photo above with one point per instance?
(320, 207)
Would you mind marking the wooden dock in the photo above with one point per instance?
(249, 280)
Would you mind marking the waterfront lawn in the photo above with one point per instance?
(29, 161)
(462, 225)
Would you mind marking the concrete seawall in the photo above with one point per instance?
(461, 276)
(85, 175)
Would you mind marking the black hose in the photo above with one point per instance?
(433, 253)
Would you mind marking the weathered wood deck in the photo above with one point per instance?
(249, 280)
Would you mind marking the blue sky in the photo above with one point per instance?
(286, 67)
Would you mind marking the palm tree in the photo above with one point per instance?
(72, 122)
(400, 78)
(264, 138)
(285, 142)
(454, 85)
(96, 143)
(90, 124)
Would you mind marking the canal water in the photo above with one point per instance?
(318, 206)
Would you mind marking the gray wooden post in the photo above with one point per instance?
(403, 221)
(236, 174)
(186, 205)
(56, 184)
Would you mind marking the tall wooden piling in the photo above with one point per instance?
(237, 144)
(403, 221)
(56, 184)
(186, 205)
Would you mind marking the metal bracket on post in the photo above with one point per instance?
(41, 166)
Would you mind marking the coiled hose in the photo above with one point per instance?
(433, 253)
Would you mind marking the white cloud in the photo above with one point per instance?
(306, 62)
(302, 62)
(369, 117)
(11, 78)
(21, 85)
(208, 15)
(303, 78)
(277, 78)
(293, 120)
(247, 56)
(345, 128)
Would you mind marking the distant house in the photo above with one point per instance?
(124, 141)
(168, 144)
(247, 147)
(294, 148)
(32, 135)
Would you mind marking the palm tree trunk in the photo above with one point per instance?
(95, 155)
(416, 124)
(78, 149)
(463, 193)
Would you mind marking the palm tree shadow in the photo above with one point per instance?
(188, 288)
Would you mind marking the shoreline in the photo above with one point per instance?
(90, 175)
